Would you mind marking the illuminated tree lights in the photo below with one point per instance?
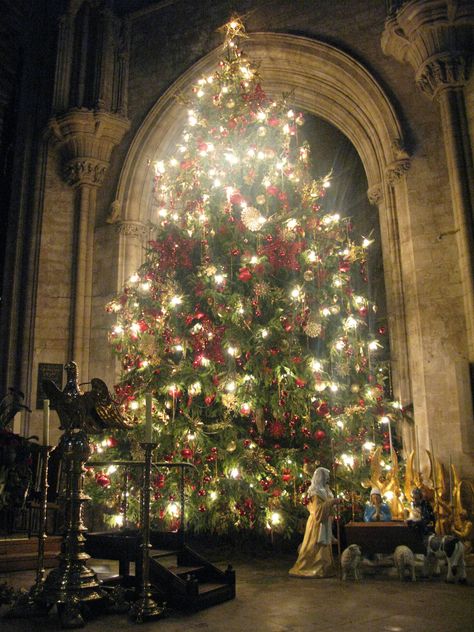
(247, 321)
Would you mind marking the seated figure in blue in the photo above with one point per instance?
(376, 510)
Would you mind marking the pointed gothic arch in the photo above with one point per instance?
(325, 82)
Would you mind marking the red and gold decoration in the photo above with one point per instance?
(248, 320)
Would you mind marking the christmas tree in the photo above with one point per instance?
(248, 321)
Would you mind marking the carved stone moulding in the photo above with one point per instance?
(85, 171)
(397, 170)
(440, 72)
(375, 194)
(436, 37)
(131, 228)
(86, 139)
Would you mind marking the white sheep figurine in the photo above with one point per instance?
(350, 560)
(404, 560)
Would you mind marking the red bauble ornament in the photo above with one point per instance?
(112, 442)
(175, 392)
(323, 409)
(386, 447)
(186, 453)
(159, 481)
(236, 198)
(102, 479)
(244, 274)
(300, 383)
(319, 435)
(286, 476)
(277, 429)
(209, 399)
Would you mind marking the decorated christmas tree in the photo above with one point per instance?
(248, 321)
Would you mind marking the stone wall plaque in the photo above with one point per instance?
(48, 371)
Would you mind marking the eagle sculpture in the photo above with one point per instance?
(92, 411)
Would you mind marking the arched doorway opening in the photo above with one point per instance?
(327, 84)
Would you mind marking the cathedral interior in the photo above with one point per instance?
(88, 105)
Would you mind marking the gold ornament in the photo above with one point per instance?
(308, 275)
(355, 388)
(231, 446)
(312, 328)
(261, 131)
(261, 289)
(230, 104)
(260, 199)
(252, 218)
(229, 400)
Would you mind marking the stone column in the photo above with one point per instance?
(436, 37)
(63, 63)
(384, 195)
(86, 139)
(132, 236)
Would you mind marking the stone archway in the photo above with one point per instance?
(326, 82)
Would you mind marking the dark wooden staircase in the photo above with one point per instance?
(189, 581)
(179, 575)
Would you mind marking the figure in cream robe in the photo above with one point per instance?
(315, 553)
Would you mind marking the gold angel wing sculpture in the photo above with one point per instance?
(93, 411)
(103, 408)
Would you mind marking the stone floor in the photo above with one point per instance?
(268, 600)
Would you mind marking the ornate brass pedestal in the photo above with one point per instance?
(72, 584)
(146, 609)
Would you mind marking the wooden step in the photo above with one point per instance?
(161, 553)
(207, 587)
(19, 554)
(181, 571)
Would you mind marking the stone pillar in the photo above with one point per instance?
(436, 37)
(63, 63)
(86, 139)
(383, 195)
(132, 236)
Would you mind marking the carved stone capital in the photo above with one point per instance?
(396, 170)
(85, 171)
(131, 228)
(436, 37)
(375, 194)
(86, 139)
(441, 72)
